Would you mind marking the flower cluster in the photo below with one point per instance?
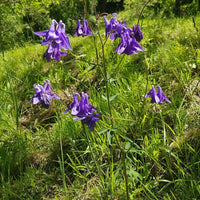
(157, 97)
(83, 111)
(43, 94)
(56, 38)
(129, 37)
(82, 30)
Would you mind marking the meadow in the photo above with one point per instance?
(148, 150)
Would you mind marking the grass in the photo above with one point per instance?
(44, 154)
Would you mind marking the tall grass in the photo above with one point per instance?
(44, 154)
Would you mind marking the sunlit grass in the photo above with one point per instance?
(39, 148)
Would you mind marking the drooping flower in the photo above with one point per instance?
(83, 111)
(82, 30)
(53, 52)
(128, 44)
(114, 28)
(43, 94)
(63, 37)
(129, 37)
(137, 33)
(157, 97)
(56, 38)
(161, 95)
(50, 34)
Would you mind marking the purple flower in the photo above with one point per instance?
(161, 95)
(157, 97)
(50, 34)
(83, 111)
(43, 94)
(56, 38)
(63, 38)
(82, 30)
(129, 37)
(114, 28)
(53, 52)
(128, 44)
(137, 33)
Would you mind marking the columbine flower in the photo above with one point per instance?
(82, 30)
(129, 37)
(56, 38)
(157, 97)
(53, 52)
(83, 111)
(137, 33)
(161, 95)
(128, 44)
(114, 28)
(43, 94)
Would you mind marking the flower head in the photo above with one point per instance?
(56, 38)
(114, 28)
(83, 111)
(82, 30)
(53, 52)
(137, 33)
(128, 44)
(129, 37)
(161, 95)
(157, 97)
(43, 94)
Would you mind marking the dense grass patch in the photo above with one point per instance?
(44, 154)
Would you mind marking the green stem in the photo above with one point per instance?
(106, 78)
(62, 166)
(61, 161)
(147, 74)
(125, 174)
(93, 156)
(143, 10)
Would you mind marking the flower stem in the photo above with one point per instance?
(125, 174)
(93, 156)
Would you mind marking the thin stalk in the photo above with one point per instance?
(94, 158)
(14, 99)
(125, 174)
(96, 50)
(61, 162)
(106, 78)
(147, 74)
(117, 68)
(85, 9)
(62, 166)
(143, 10)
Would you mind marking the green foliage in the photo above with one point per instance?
(163, 8)
(11, 28)
(70, 11)
(44, 154)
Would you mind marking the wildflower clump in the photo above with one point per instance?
(129, 37)
(157, 97)
(56, 38)
(43, 94)
(84, 111)
(82, 30)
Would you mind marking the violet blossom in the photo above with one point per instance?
(43, 94)
(83, 111)
(129, 37)
(157, 97)
(56, 38)
(82, 30)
